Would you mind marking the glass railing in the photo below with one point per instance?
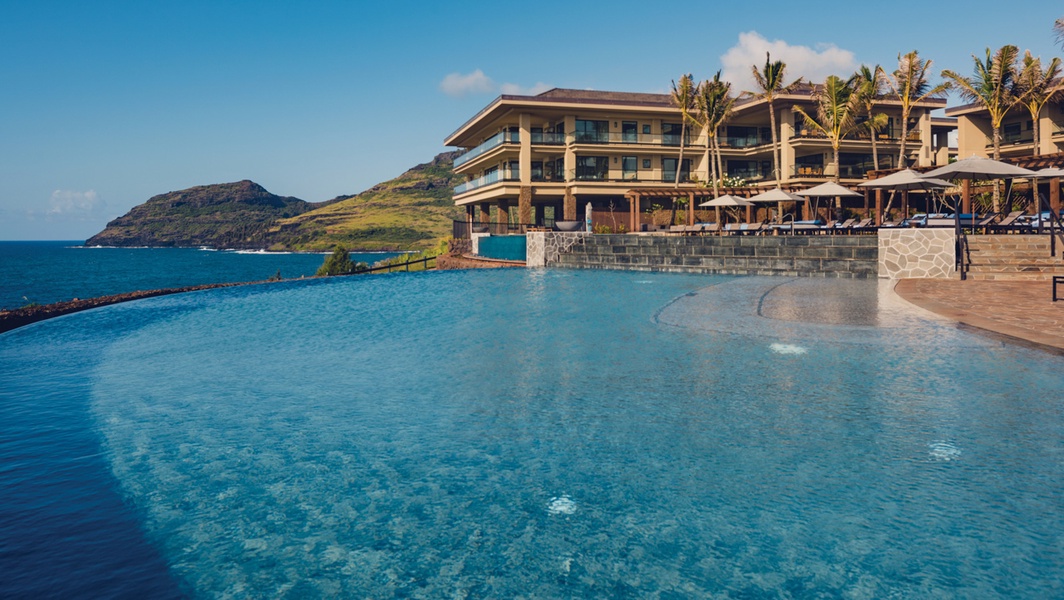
(642, 139)
(750, 174)
(554, 139)
(493, 142)
(807, 171)
(490, 178)
(744, 141)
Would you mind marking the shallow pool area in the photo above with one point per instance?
(529, 433)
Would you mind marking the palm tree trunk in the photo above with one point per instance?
(835, 149)
(679, 163)
(997, 156)
(904, 134)
(875, 151)
(720, 162)
(713, 166)
(1034, 124)
(775, 142)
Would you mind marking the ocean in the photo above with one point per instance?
(56, 271)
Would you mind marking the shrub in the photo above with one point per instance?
(339, 263)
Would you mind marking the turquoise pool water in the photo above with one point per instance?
(531, 433)
(503, 247)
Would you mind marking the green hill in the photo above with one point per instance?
(411, 211)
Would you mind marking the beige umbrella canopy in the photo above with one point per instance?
(828, 189)
(906, 179)
(977, 167)
(776, 195)
(726, 200)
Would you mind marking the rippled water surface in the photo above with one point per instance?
(529, 433)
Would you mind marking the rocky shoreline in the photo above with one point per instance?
(19, 317)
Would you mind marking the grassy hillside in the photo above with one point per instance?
(409, 212)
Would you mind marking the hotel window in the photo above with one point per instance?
(1010, 132)
(592, 167)
(646, 129)
(593, 132)
(668, 170)
(670, 134)
(629, 167)
(537, 135)
(536, 170)
(629, 132)
(646, 163)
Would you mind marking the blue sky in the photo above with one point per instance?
(105, 104)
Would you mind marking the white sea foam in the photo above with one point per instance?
(943, 451)
(787, 349)
(561, 505)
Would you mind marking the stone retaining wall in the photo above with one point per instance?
(917, 254)
(545, 247)
(847, 256)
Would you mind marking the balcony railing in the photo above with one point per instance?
(639, 139)
(493, 142)
(490, 178)
(1011, 139)
(553, 139)
(744, 141)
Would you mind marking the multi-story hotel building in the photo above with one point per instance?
(975, 134)
(531, 157)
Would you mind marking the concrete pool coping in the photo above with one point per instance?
(1022, 310)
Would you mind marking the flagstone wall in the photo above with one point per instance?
(917, 254)
(544, 247)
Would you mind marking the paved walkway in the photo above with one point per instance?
(1018, 309)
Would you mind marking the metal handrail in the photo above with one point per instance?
(405, 266)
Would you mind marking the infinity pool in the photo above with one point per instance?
(528, 433)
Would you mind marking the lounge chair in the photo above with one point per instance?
(1009, 223)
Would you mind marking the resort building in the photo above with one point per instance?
(530, 159)
(975, 136)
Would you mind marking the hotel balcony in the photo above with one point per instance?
(503, 137)
(486, 180)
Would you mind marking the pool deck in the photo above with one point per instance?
(1018, 309)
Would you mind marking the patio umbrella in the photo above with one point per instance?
(776, 195)
(1049, 173)
(726, 200)
(977, 167)
(828, 189)
(905, 180)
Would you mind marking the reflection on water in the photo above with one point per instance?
(570, 434)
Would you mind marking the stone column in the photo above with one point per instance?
(690, 208)
(1054, 194)
(569, 209)
(485, 213)
(879, 207)
(966, 196)
(524, 204)
(905, 204)
(504, 214)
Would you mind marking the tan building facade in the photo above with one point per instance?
(531, 158)
(975, 133)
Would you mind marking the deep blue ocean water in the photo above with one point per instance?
(47, 272)
(533, 433)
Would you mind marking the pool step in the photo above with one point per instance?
(1015, 257)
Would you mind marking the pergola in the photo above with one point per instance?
(635, 196)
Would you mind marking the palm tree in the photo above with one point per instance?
(868, 85)
(837, 106)
(769, 80)
(991, 86)
(714, 102)
(683, 96)
(1058, 28)
(1035, 88)
(909, 85)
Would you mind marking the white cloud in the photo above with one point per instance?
(71, 205)
(476, 82)
(813, 65)
(457, 84)
(516, 90)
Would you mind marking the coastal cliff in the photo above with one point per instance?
(408, 212)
